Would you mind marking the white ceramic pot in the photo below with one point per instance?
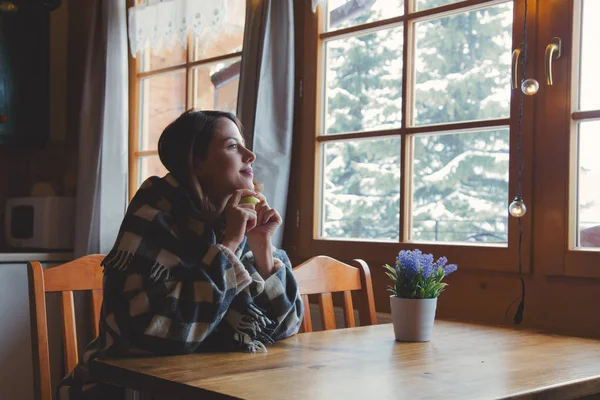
(413, 318)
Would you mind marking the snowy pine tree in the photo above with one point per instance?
(460, 182)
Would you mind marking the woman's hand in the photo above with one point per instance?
(259, 238)
(268, 221)
(239, 219)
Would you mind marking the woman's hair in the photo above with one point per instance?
(187, 138)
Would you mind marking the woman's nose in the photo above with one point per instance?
(249, 156)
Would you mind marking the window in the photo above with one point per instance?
(585, 130)
(582, 256)
(415, 128)
(204, 74)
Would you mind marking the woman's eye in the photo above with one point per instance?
(232, 146)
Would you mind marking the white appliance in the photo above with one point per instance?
(46, 222)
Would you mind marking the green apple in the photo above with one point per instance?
(249, 200)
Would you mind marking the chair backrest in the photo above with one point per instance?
(324, 275)
(84, 273)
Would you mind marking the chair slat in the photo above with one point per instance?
(348, 310)
(70, 335)
(39, 298)
(368, 316)
(327, 314)
(96, 307)
(306, 321)
(83, 274)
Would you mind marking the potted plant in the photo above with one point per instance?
(417, 283)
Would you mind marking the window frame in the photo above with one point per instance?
(578, 261)
(135, 114)
(467, 255)
(555, 154)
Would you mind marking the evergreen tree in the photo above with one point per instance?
(460, 180)
(362, 177)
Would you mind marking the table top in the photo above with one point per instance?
(463, 361)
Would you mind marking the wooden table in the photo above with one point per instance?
(462, 361)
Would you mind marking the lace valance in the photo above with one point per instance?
(162, 22)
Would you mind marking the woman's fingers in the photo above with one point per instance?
(252, 219)
(266, 216)
(261, 197)
(237, 196)
(248, 218)
(261, 208)
(271, 216)
(260, 211)
(251, 214)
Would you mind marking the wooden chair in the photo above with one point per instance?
(84, 273)
(324, 275)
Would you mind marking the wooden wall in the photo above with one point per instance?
(559, 304)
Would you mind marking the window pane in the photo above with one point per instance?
(162, 99)
(427, 4)
(363, 82)
(460, 187)
(361, 189)
(150, 166)
(345, 13)
(216, 86)
(229, 38)
(166, 56)
(463, 66)
(587, 189)
(590, 62)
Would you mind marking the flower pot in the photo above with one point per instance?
(413, 318)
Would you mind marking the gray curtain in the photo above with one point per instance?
(266, 95)
(102, 163)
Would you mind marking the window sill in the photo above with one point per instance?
(467, 257)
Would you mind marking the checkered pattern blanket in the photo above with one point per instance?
(171, 288)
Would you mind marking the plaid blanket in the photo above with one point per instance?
(171, 288)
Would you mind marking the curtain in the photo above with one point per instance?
(266, 95)
(102, 162)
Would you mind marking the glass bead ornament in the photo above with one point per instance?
(530, 86)
(517, 208)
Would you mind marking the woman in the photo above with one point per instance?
(192, 269)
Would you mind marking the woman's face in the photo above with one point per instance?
(227, 165)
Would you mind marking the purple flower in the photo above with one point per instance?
(416, 275)
(450, 268)
(409, 261)
(426, 263)
(440, 262)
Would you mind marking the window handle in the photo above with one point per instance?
(553, 52)
(516, 55)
